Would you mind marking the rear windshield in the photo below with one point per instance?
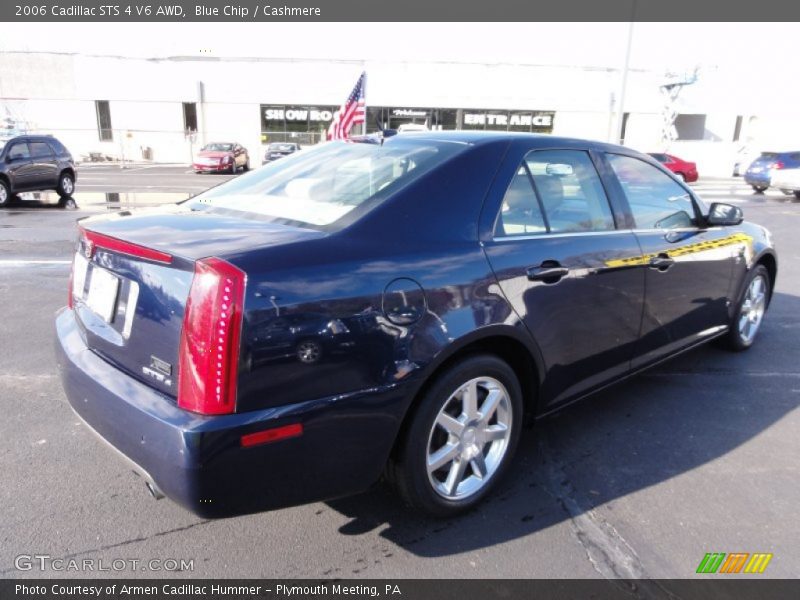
(768, 156)
(281, 147)
(322, 185)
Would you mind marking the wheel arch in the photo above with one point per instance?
(516, 348)
(769, 261)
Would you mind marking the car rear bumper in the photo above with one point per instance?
(757, 178)
(199, 461)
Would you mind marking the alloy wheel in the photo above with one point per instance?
(67, 186)
(752, 312)
(469, 438)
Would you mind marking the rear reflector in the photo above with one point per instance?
(209, 350)
(272, 435)
(98, 240)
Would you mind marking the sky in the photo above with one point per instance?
(655, 46)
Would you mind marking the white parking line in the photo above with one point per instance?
(33, 262)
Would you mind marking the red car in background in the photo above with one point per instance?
(683, 169)
(221, 157)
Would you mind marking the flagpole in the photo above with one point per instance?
(364, 129)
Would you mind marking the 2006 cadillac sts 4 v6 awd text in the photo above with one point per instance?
(394, 306)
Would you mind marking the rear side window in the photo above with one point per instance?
(656, 200)
(563, 194)
(40, 150)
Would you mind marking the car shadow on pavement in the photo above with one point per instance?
(643, 432)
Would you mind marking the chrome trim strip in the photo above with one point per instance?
(544, 235)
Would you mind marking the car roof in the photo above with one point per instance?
(538, 139)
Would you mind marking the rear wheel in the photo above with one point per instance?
(462, 437)
(66, 185)
(682, 177)
(759, 189)
(797, 194)
(750, 310)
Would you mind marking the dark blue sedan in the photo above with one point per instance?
(394, 307)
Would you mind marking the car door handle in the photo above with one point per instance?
(662, 262)
(548, 271)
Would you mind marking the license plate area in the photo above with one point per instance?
(103, 288)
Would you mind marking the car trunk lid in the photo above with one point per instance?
(132, 276)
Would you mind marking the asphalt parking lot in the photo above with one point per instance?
(698, 455)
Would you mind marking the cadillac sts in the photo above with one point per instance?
(391, 307)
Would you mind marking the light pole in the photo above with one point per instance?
(624, 80)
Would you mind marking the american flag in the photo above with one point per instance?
(352, 112)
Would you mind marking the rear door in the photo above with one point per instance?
(688, 268)
(45, 165)
(568, 272)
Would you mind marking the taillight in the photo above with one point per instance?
(777, 165)
(209, 350)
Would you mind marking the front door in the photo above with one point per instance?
(688, 268)
(568, 272)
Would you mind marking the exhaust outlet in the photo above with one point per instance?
(154, 491)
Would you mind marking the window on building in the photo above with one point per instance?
(190, 116)
(656, 200)
(104, 130)
(690, 127)
(737, 129)
(624, 130)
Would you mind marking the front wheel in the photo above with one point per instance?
(247, 164)
(750, 310)
(5, 193)
(66, 185)
(462, 437)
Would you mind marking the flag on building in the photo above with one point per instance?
(352, 112)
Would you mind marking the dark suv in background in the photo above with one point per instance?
(32, 163)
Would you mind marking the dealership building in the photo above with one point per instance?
(164, 109)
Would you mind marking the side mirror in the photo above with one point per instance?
(724, 215)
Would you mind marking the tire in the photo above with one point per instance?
(681, 176)
(759, 189)
(5, 193)
(309, 352)
(456, 486)
(246, 164)
(66, 185)
(742, 334)
(786, 192)
(233, 167)
(797, 194)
